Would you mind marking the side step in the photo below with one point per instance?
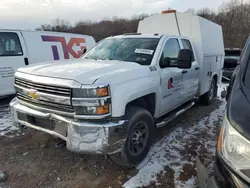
(225, 78)
(173, 114)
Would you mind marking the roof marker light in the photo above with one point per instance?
(168, 11)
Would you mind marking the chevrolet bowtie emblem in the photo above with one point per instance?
(33, 94)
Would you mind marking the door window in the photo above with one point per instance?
(10, 44)
(171, 52)
(187, 45)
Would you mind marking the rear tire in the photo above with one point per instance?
(208, 97)
(139, 139)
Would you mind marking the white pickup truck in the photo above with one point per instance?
(112, 99)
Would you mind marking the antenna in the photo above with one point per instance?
(173, 11)
(177, 23)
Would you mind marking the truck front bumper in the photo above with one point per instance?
(81, 136)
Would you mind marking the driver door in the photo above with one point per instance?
(171, 77)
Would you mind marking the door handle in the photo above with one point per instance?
(26, 61)
(197, 68)
(184, 71)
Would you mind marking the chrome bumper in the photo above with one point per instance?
(81, 136)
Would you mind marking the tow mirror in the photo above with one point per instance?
(84, 51)
(185, 59)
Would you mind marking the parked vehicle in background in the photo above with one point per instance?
(112, 99)
(22, 48)
(232, 56)
(232, 163)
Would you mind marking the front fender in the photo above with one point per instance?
(126, 92)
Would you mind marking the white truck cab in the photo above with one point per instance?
(112, 99)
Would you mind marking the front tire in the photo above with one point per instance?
(208, 97)
(139, 139)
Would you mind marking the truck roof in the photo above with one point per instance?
(139, 35)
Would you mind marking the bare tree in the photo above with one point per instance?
(233, 16)
(58, 25)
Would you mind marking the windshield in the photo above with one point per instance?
(139, 50)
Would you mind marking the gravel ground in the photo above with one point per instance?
(31, 159)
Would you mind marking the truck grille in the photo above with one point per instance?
(55, 90)
(57, 98)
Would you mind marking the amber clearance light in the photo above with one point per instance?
(102, 92)
(168, 11)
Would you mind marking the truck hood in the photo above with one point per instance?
(84, 71)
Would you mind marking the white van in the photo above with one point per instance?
(22, 48)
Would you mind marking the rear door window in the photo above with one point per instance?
(10, 44)
(187, 45)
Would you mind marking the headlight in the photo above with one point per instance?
(90, 92)
(91, 102)
(234, 149)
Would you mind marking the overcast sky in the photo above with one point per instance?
(29, 14)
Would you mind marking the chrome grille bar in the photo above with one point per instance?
(41, 102)
(49, 98)
(44, 88)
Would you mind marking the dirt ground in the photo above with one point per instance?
(32, 160)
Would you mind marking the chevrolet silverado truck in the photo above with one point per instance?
(112, 99)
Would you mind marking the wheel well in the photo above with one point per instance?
(147, 102)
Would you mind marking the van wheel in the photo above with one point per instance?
(208, 97)
(139, 139)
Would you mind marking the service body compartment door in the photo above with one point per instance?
(13, 54)
(205, 74)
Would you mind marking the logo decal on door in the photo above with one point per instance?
(170, 83)
(67, 47)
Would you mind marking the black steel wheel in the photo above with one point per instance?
(139, 139)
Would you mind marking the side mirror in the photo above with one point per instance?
(185, 59)
(84, 51)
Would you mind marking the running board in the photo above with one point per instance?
(227, 79)
(175, 113)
